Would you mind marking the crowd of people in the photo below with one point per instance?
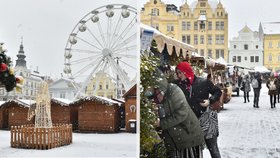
(255, 81)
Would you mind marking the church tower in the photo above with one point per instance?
(21, 56)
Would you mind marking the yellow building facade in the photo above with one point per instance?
(270, 34)
(272, 52)
(203, 24)
(101, 85)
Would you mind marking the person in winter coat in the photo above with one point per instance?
(278, 77)
(181, 128)
(257, 88)
(197, 91)
(246, 88)
(272, 85)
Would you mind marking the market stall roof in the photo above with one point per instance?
(221, 61)
(261, 69)
(162, 39)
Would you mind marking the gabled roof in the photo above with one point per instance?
(102, 100)
(245, 29)
(131, 91)
(20, 102)
(61, 101)
(70, 83)
(271, 28)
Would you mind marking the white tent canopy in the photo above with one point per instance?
(261, 69)
(162, 39)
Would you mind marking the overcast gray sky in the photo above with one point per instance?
(45, 26)
(242, 12)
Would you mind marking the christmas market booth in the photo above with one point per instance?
(96, 114)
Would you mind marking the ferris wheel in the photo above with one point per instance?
(103, 40)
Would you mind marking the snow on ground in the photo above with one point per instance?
(247, 132)
(84, 145)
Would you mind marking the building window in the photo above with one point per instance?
(93, 87)
(184, 38)
(239, 59)
(155, 12)
(270, 45)
(209, 39)
(278, 44)
(221, 13)
(188, 39)
(107, 86)
(170, 27)
(246, 46)
(195, 25)
(234, 59)
(219, 53)
(245, 58)
(220, 25)
(184, 25)
(210, 53)
(62, 95)
(257, 59)
(202, 25)
(234, 46)
(201, 39)
(257, 46)
(219, 39)
(270, 57)
(202, 4)
(100, 86)
(202, 52)
(209, 25)
(252, 59)
(278, 58)
(195, 40)
(156, 26)
(188, 25)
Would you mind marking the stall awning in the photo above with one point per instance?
(162, 39)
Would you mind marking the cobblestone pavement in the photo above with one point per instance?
(247, 132)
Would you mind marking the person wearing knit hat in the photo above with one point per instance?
(197, 91)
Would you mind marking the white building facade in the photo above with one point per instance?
(63, 88)
(246, 50)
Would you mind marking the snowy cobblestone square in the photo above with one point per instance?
(247, 132)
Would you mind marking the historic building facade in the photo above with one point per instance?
(270, 33)
(31, 80)
(246, 50)
(203, 24)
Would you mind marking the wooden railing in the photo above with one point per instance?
(27, 136)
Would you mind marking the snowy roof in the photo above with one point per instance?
(2, 102)
(103, 100)
(22, 102)
(63, 102)
(261, 69)
(221, 61)
(271, 28)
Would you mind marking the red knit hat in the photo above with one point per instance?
(186, 68)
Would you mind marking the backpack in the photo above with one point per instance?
(255, 83)
(272, 85)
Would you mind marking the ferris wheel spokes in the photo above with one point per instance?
(121, 50)
(125, 42)
(116, 30)
(124, 32)
(101, 33)
(88, 43)
(102, 46)
(85, 68)
(78, 61)
(86, 51)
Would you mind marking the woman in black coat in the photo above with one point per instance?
(197, 91)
